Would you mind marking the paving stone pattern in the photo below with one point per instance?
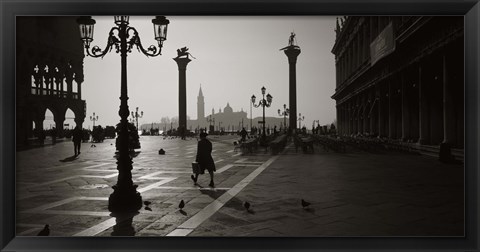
(351, 194)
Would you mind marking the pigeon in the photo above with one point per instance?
(45, 231)
(246, 204)
(146, 202)
(148, 208)
(182, 204)
(305, 204)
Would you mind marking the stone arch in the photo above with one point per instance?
(49, 118)
(69, 119)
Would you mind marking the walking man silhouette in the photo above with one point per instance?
(204, 158)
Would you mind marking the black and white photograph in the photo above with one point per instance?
(240, 126)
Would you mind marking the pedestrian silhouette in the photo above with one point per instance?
(45, 231)
(77, 136)
(244, 134)
(305, 203)
(204, 158)
(181, 205)
(246, 204)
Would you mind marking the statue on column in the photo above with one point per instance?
(183, 53)
(291, 42)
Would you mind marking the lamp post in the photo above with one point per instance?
(93, 119)
(210, 121)
(285, 113)
(123, 38)
(264, 103)
(251, 115)
(300, 119)
(136, 115)
(313, 125)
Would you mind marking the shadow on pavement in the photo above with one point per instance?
(69, 159)
(214, 194)
(123, 226)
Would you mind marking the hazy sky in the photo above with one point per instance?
(235, 57)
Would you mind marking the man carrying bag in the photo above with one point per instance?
(204, 160)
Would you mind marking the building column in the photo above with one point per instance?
(381, 103)
(366, 108)
(292, 53)
(390, 111)
(405, 112)
(79, 90)
(59, 120)
(448, 106)
(182, 92)
(371, 114)
(422, 109)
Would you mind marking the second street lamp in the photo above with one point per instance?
(136, 115)
(264, 103)
(123, 38)
(210, 121)
(285, 113)
(93, 119)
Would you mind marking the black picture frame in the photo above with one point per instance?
(10, 8)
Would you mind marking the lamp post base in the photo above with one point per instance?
(124, 200)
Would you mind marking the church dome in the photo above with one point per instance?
(228, 109)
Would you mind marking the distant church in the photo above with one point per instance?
(227, 120)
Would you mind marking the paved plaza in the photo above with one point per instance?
(351, 194)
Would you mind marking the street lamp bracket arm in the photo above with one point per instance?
(151, 51)
(96, 52)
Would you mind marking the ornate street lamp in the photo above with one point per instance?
(264, 103)
(210, 121)
(285, 113)
(313, 125)
(136, 115)
(251, 115)
(93, 119)
(300, 119)
(123, 37)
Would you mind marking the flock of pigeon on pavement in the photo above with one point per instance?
(46, 230)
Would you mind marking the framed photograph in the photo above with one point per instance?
(239, 126)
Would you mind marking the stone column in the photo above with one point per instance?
(381, 103)
(79, 121)
(59, 120)
(373, 101)
(405, 106)
(422, 109)
(390, 111)
(366, 108)
(292, 53)
(182, 91)
(448, 106)
(69, 80)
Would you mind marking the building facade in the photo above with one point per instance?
(401, 78)
(49, 73)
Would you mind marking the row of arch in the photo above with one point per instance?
(55, 81)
